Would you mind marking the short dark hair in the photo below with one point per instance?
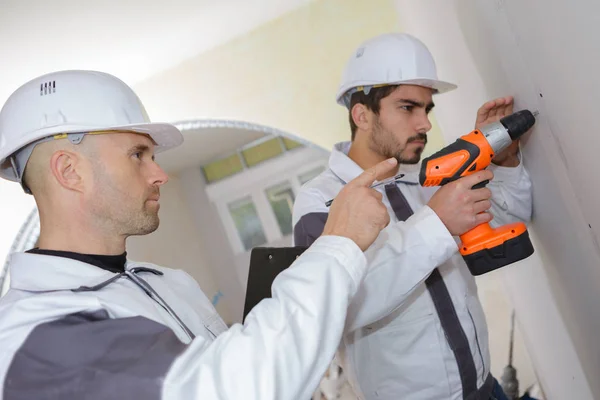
(372, 101)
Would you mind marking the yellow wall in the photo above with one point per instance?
(283, 74)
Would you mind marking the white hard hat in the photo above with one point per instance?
(72, 102)
(389, 59)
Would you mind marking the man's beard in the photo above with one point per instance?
(384, 143)
(119, 213)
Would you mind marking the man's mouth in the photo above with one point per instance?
(419, 139)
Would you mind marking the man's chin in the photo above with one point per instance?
(148, 227)
(415, 159)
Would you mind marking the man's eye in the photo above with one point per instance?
(138, 155)
(407, 108)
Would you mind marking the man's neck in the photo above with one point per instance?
(73, 237)
(365, 158)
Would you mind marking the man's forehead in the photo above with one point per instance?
(413, 90)
(132, 138)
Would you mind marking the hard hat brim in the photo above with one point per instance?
(166, 136)
(437, 85)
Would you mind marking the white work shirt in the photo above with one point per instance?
(70, 330)
(394, 346)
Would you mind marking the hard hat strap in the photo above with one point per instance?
(364, 88)
(19, 159)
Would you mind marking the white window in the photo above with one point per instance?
(281, 197)
(246, 221)
(255, 205)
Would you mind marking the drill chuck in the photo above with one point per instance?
(518, 123)
(501, 134)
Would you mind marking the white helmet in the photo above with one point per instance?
(70, 104)
(389, 59)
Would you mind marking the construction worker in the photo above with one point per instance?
(404, 353)
(82, 321)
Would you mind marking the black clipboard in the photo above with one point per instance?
(265, 264)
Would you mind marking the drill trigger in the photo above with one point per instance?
(481, 185)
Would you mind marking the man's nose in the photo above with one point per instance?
(423, 123)
(159, 176)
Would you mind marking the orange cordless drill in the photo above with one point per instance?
(483, 248)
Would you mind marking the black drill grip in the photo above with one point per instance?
(518, 123)
(481, 184)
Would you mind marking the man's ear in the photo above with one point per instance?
(361, 116)
(66, 168)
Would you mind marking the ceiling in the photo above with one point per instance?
(132, 39)
(208, 142)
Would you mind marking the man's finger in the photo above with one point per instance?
(508, 109)
(498, 105)
(483, 217)
(478, 177)
(478, 195)
(482, 206)
(484, 110)
(378, 195)
(374, 173)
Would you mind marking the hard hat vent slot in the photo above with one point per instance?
(47, 88)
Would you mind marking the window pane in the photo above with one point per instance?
(222, 168)
(244, 215)
(291, 144)
(307, 176)
(281, 198)
(262, 152)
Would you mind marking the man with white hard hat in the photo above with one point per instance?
(82, 321)
(405, 352)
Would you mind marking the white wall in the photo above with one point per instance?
(208, 204)
(524, 48)
(15, 206)
(214, 242)
(177, 242)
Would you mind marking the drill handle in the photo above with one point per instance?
(481, 184)
(467, 155)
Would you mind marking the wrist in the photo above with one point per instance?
(510, 161)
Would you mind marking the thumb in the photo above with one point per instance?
(372, 174)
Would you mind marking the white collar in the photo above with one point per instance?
(346, 169)
(40, 273)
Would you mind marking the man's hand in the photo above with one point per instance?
(357, 211)
(461, 208)
(494, 111)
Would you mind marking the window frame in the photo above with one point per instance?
(254, 183)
